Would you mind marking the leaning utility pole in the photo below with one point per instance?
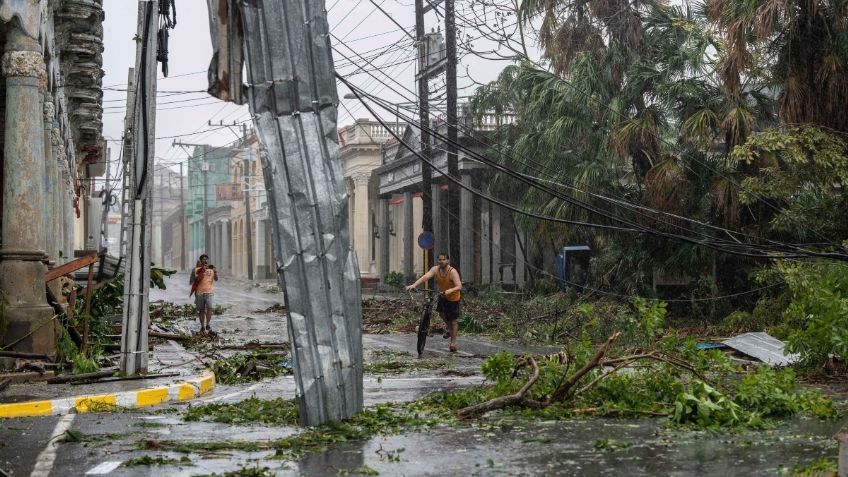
(424, 121)
(137, 275)
(292, 95)
(453, 162)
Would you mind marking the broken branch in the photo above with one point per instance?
(503, 401)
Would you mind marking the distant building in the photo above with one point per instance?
(490, 245)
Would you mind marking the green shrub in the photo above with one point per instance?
(395, 279)
(705, 406)
(739, 321)
(817, 317)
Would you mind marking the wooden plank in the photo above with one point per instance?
(21, 355)
(97, 286)
(71, 266)
(66, 378)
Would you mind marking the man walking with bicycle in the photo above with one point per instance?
(447, 279)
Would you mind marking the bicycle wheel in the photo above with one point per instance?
(424, 327)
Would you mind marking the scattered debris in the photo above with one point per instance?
(146, 460)
(20, 355)
(275, 308)
(110, 379)
(254, 345)
(254, 366)
(763, 347)
(67, 378)
(168, 336)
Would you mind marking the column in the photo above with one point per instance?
(49, 179)
(225, 247)
(466, 231)
(486, 242)
(60, 206)
(520, 247)
(384, 239)
(360, 230)
(222, 246)
(497, 249)
(261, 270)
(408, 239)
(28, 317)
(228, 246)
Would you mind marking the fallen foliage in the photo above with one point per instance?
(254, 366)
(690, 387)
(147, 460)
(275, 412)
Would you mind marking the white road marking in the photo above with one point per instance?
(45, 460)
(105, 467)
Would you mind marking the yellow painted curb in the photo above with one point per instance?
(182, 391)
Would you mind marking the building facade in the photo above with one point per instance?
(53, 152)
(490, 245)
(361, 148)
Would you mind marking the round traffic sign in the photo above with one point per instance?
(426, 240)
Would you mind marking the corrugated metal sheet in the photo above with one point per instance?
(763, 347)
(292, 96)
(225, 70)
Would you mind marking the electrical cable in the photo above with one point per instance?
(749, 250)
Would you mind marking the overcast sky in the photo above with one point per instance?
(185, 110)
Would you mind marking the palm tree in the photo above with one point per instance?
(800, 47)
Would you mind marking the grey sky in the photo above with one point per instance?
(183, 109)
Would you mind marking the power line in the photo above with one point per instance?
(728, 247)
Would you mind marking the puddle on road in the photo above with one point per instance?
(645, 448)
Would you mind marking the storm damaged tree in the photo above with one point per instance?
(571, 385)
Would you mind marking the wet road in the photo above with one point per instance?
(35, 446)
(495, 447)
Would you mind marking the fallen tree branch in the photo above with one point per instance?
(563, 389)
(503, 401)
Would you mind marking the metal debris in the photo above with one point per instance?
(292, 96)
(763, 347)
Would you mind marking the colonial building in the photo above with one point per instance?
(52, 150)
(226, 213)
(490, 246)
(361, 147)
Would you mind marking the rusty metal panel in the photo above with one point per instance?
(292, 96)
(225, 69)
(762, 346)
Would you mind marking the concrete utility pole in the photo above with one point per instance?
(453, 162)
(424, 121)
(182, 220)
(245, 169)
(137, 276)
(204, 168)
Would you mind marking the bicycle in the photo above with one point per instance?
(424, 321)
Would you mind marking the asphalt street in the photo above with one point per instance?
(100, 443)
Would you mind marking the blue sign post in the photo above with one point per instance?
(426, 240)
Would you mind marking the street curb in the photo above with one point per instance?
(108, 402)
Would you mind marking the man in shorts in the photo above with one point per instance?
(447, 279)
(205, 274)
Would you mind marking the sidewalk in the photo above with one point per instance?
(189, 380)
